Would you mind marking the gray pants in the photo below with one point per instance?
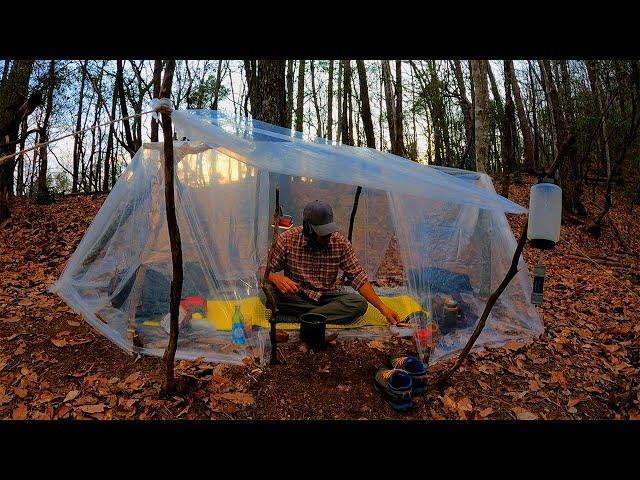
(339, 308)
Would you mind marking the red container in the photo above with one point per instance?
(285, 222)
(422, 338)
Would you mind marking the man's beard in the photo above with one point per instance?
(313, 242)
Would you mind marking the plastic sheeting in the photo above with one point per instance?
(450, 227)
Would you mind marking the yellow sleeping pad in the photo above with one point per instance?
(219, 313)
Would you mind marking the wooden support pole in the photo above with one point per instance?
(267, 288)
(169, 381)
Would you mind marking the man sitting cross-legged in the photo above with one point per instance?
(311, 256)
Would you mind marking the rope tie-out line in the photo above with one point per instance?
(160, 105)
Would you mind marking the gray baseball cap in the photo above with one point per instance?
(320, 216)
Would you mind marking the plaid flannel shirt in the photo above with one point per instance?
(316, 272)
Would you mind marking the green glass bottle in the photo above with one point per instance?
(237, 327)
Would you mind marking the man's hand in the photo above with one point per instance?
(370, 295)
(284, 284)
(391, 316)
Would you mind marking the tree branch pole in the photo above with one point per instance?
(511, 273)
(354, 209)
(513, 270)
(169, 381)
(271, 301)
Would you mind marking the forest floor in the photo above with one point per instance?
(54, 365)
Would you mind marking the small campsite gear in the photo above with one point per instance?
(446, 311)
(545, 213)
(538, 284)
(194, 304)
(237, 327)
(410, 323)
(395, 387)
(414, 367)
(312, 330)
(285, 222)
(183, 319)
(423, 341)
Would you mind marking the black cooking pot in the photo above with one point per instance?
(313, 327)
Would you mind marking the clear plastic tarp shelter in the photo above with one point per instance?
(446, 228)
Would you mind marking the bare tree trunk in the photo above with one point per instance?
(388, 96)
(20, 179)
(399, 117)
(290, 64)
(529, 164)
(330, 103)
(300, 97)
(169, 381)
(339, 132)
(76, 139)
(108, 153)
(481, 107)
(130, 144)
(44, 129)
(592, 71)
(509, 131)
(346, 123)
(216, 89)
(466, 107)
(157, 83)
(251, 72)
(496, 93)
(314, 97)
(534, 117)
(349, 97)
(366, 107)
(271, 105)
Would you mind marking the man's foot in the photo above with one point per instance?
(331, 337)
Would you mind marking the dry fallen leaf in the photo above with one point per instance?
(131, 378)
(376, 345)
(449, 403)
(522, 414)
(485, 412)
(71, 396)
(237, 397)
(482, 384)
(59, 343)
(20, 412)
(514, 346)
(20, 392)
(97, 408)
(558, 377)
(573, 402)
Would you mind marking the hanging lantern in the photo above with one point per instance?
(545, 213)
